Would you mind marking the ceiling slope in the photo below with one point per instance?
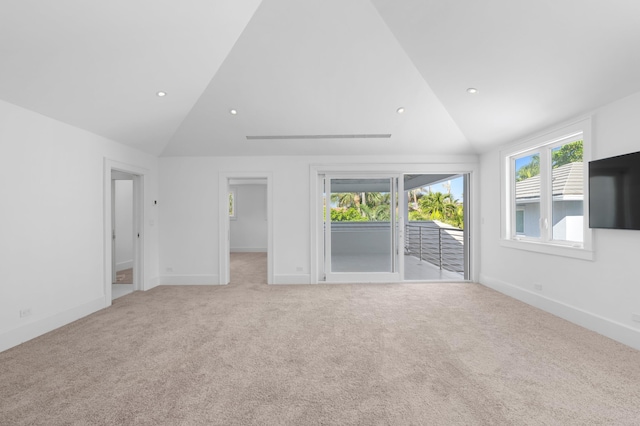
(314, 68)
(98, 65)
(535, 63)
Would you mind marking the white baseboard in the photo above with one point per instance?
(248, 250)
(189, 280)
(124, 265)
(612, 329)
(151, 283)
(292, 279)
(40, 326)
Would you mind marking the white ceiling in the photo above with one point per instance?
(317, 67)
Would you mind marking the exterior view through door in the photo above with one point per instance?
(362, 229)
(397, 227)
(436, 238)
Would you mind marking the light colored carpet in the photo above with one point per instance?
(248, 353)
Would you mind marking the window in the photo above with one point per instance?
(519, 221)
(526, 181)
(232, 204)
(543, 188)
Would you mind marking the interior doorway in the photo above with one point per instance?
(122, 234)
(232, 186)
(248, 230)
(123, 229)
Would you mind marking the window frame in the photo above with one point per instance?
(544, 144)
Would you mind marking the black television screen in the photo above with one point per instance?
(614, 192)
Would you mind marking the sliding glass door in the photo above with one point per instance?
(436, 227)
(362, 228)
(385, 227)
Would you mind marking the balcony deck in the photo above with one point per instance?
(415, 269)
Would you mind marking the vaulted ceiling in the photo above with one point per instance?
(311, 77)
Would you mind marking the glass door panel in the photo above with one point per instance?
(361, 236)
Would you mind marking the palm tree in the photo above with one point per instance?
(379, 213)
(438, 205)
(457, 219)
(529, 170)
(346, 199)
(373, 199)
(413, 193)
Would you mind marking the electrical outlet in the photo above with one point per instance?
(25, 312)
(635, 317)
(169, 269)
(537, 286)
(299, 269)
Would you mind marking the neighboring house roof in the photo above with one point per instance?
(567, 181)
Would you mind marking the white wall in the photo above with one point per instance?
(602, 294)
(189, 210)
(249, 227)
(52, 185)
(124, 224)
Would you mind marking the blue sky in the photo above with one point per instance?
(523, 161)
(457, 185)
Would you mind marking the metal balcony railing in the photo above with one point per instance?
(442, 247)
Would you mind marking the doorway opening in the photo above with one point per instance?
(393, 227)
(436, 237)
(122, 235)
(246, 226)
(123, 229)
(248, 230)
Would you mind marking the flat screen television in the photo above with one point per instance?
(614, 192)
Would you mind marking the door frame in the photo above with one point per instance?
(138, 174)
(113, 227)
(397, 234)
(224, 228)
(433, 165)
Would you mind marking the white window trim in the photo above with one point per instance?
(542, 144)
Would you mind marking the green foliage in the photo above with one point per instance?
(437, 205)
(379, 213)
(346, 199)
(529, 170)
(569, 153)
(417, 215)
(350, 214)
(457, 219)
(441, 207)
(375, 206)
(361, 207)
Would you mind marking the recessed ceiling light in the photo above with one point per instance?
(472, 90)
(161, 94)
(233, 111)
(400, 110)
